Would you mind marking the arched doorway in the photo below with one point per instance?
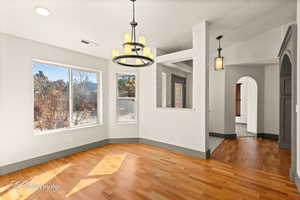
(288, 68)
(285, 134)
(246, 101)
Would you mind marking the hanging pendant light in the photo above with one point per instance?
(135, 53)
(219, 61)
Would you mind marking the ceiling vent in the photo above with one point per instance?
(89, 42)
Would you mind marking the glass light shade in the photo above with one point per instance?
(147, 51)
(142, 40)
(123, 60)
(219, 63)
(127, 50)
(127, 37)
(151, 56)
(115, 53)
(138, 61)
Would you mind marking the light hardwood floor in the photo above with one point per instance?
(140, 171)
(257, 153)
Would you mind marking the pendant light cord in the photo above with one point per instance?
(133, 23)
(219, 49)
(133, 9)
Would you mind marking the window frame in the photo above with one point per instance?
(71, 67)
(127, 98)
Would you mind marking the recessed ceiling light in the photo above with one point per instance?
(42, 11)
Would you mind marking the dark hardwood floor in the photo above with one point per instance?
(140, 171)
(256, 153)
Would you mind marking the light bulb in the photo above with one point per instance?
(151, 56)
(127, 38)
(115, 53)
(142, 40)
(127, 50)
(147, 51)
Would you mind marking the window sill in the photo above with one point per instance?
(40, 133)
(126, 122)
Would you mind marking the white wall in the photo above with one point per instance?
(258, 50)
(183, 127)
(267, 77)
(248, 104)
(115, 129)
(252, 102)
(169, 125)
(233, 74)
(271, 100)
(18, 141)
(216, 100)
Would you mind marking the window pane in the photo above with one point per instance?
(51, 96)
(85, 86)
(126, 110)
(126, 85)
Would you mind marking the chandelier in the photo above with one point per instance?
(135, 53)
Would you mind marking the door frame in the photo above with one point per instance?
(285, 75)
(289, 48)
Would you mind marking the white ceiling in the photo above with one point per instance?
(166, 23)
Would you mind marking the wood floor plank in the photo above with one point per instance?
(257, 153)
(139, 171)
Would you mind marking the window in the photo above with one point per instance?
(64, 97)
(174, 84)
(85, 87)
(126, 98)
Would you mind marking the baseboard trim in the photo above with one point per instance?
(292, 174)
(45, 158)
(268, 136)
(221, 135)
(122, 140)
(199, 154)
(52, 156)
(297, 182)
(284, 146)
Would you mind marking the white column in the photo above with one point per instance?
(201, 77)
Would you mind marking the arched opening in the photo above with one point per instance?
(285, 103)
(246, 100)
